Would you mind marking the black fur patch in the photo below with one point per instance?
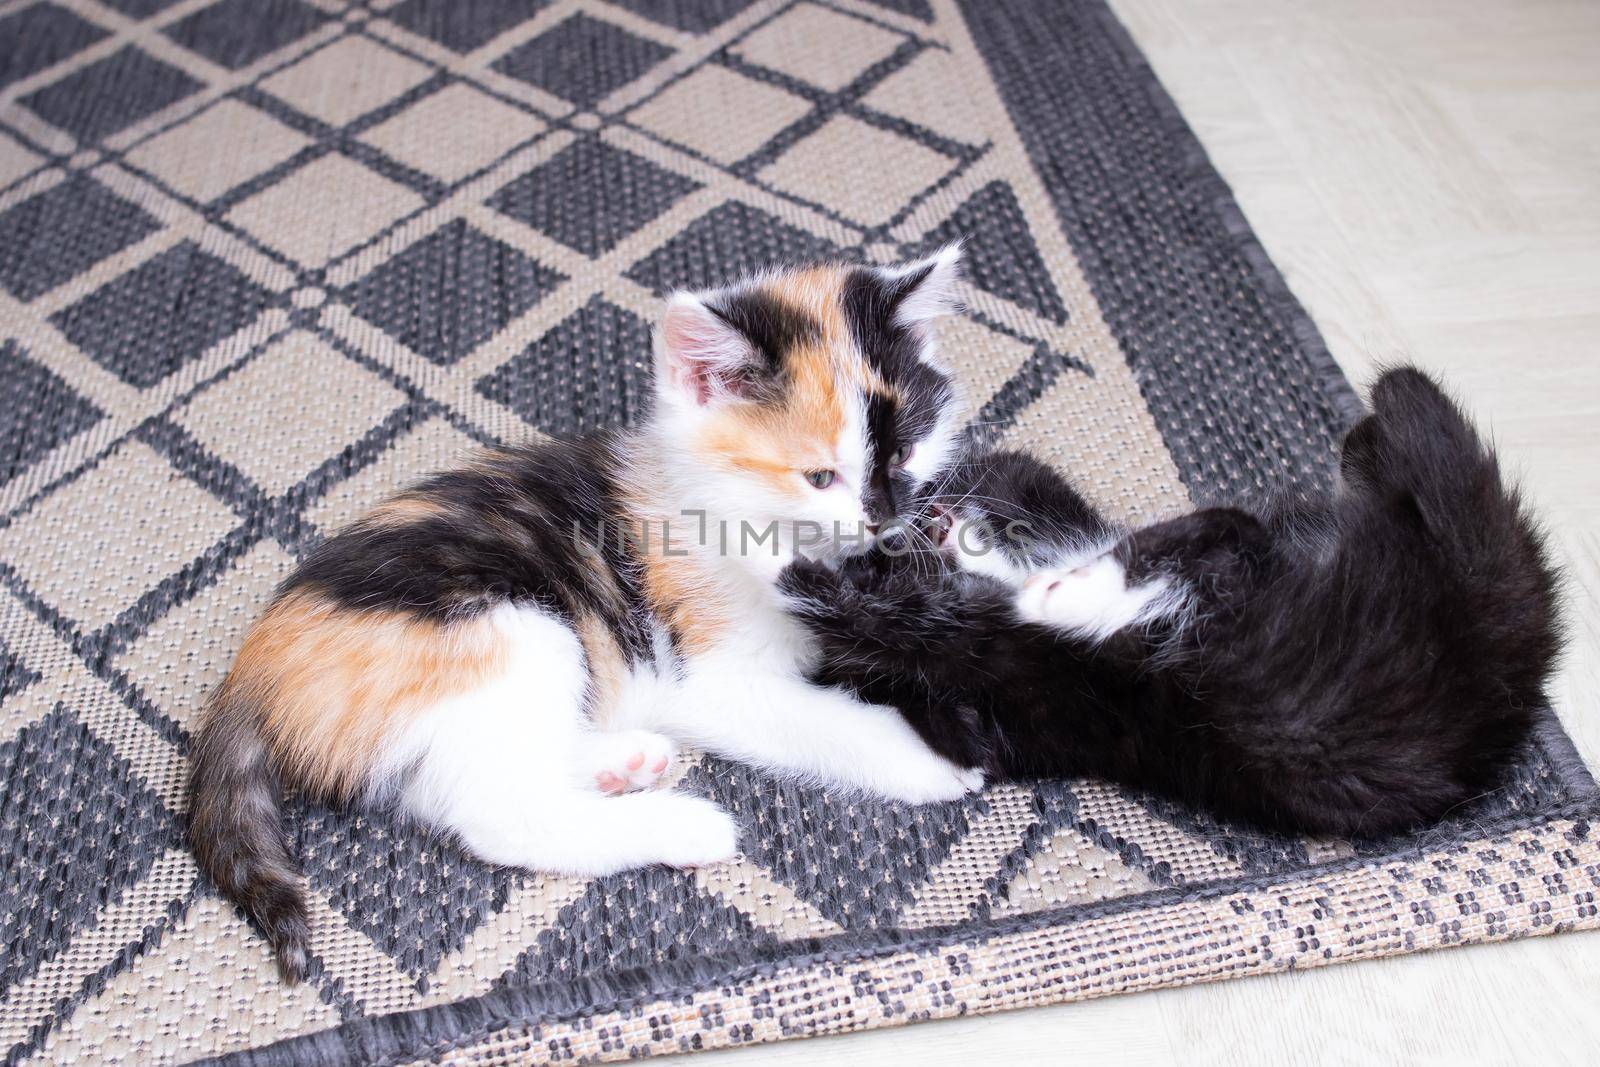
(772, 326)
(881, 496)
(1359, 664)
(513, 527)
(871, 303)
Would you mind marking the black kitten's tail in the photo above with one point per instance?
(1444, 670)
(236, 825)
(1417, 455)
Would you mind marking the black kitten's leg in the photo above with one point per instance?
(1202, 546)
(951, 728)
(1148, 577)
(1029, 506)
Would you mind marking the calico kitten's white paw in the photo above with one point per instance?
(629, 760)
(702, 834)
(1092, 600)
(971, 777)
(933, 780)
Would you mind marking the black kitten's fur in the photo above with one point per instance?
(1356, 664)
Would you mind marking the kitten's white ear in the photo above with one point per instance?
(700, 356)
(930, 287)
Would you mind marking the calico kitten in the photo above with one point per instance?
(1356, 663)
(509, 651)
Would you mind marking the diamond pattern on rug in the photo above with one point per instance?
(453, 132)
(589, 196)
(186, 157)
(895, 846)
(917, 9)
(34, 259)
(51, 33)
(417, 897)
(720, 114)
(838, 168)
(131, 521)
(590, 372)
(124, 1017)
(419, 296)
(324, 210)
(693, 16)
(346, 79)
(462, 25)
(264, 422)
(110, 94)
(420, 450)
(583, 59)
(617, 925)
(15, 675)
(1000, 254)
(236, 33)
(76, 830)
(728, 241)
(919, 93)
(138, 9)
(41, 411)
(16, 161)
(178, 305)
(183, 654)
(1069, 869)
(814, 44)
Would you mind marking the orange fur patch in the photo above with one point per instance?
(335, 684)
(403, 509)
(679, 595)
(775, 441)
(607, 668)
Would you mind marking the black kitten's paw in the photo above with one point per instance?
(806, 579)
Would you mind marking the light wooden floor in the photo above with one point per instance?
(1427, 175)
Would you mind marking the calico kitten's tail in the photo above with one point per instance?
(236, 825)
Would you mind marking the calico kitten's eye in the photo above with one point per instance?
(900, 455)
(820, 479)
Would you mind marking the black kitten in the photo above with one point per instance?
(1360, 662)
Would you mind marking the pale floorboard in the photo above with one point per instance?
(1427, 175)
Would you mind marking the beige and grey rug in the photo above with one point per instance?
(262, 261)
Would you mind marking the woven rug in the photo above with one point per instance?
(261, 261)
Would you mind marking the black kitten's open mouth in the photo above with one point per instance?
(939, 525)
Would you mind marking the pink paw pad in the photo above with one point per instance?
(638, 762)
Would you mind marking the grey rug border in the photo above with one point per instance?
(434, 1031)
(416, 1034)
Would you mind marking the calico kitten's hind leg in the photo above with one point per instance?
(508, 768)
(628, 759)
(1094, 600)
(583, 833)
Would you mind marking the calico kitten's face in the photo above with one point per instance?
(810, 400)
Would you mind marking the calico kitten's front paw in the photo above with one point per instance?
(933, 781)
(629, 760)
(972, 778)
(702, 834)
(1092, 600)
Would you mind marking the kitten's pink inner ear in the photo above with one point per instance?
(706, 357)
